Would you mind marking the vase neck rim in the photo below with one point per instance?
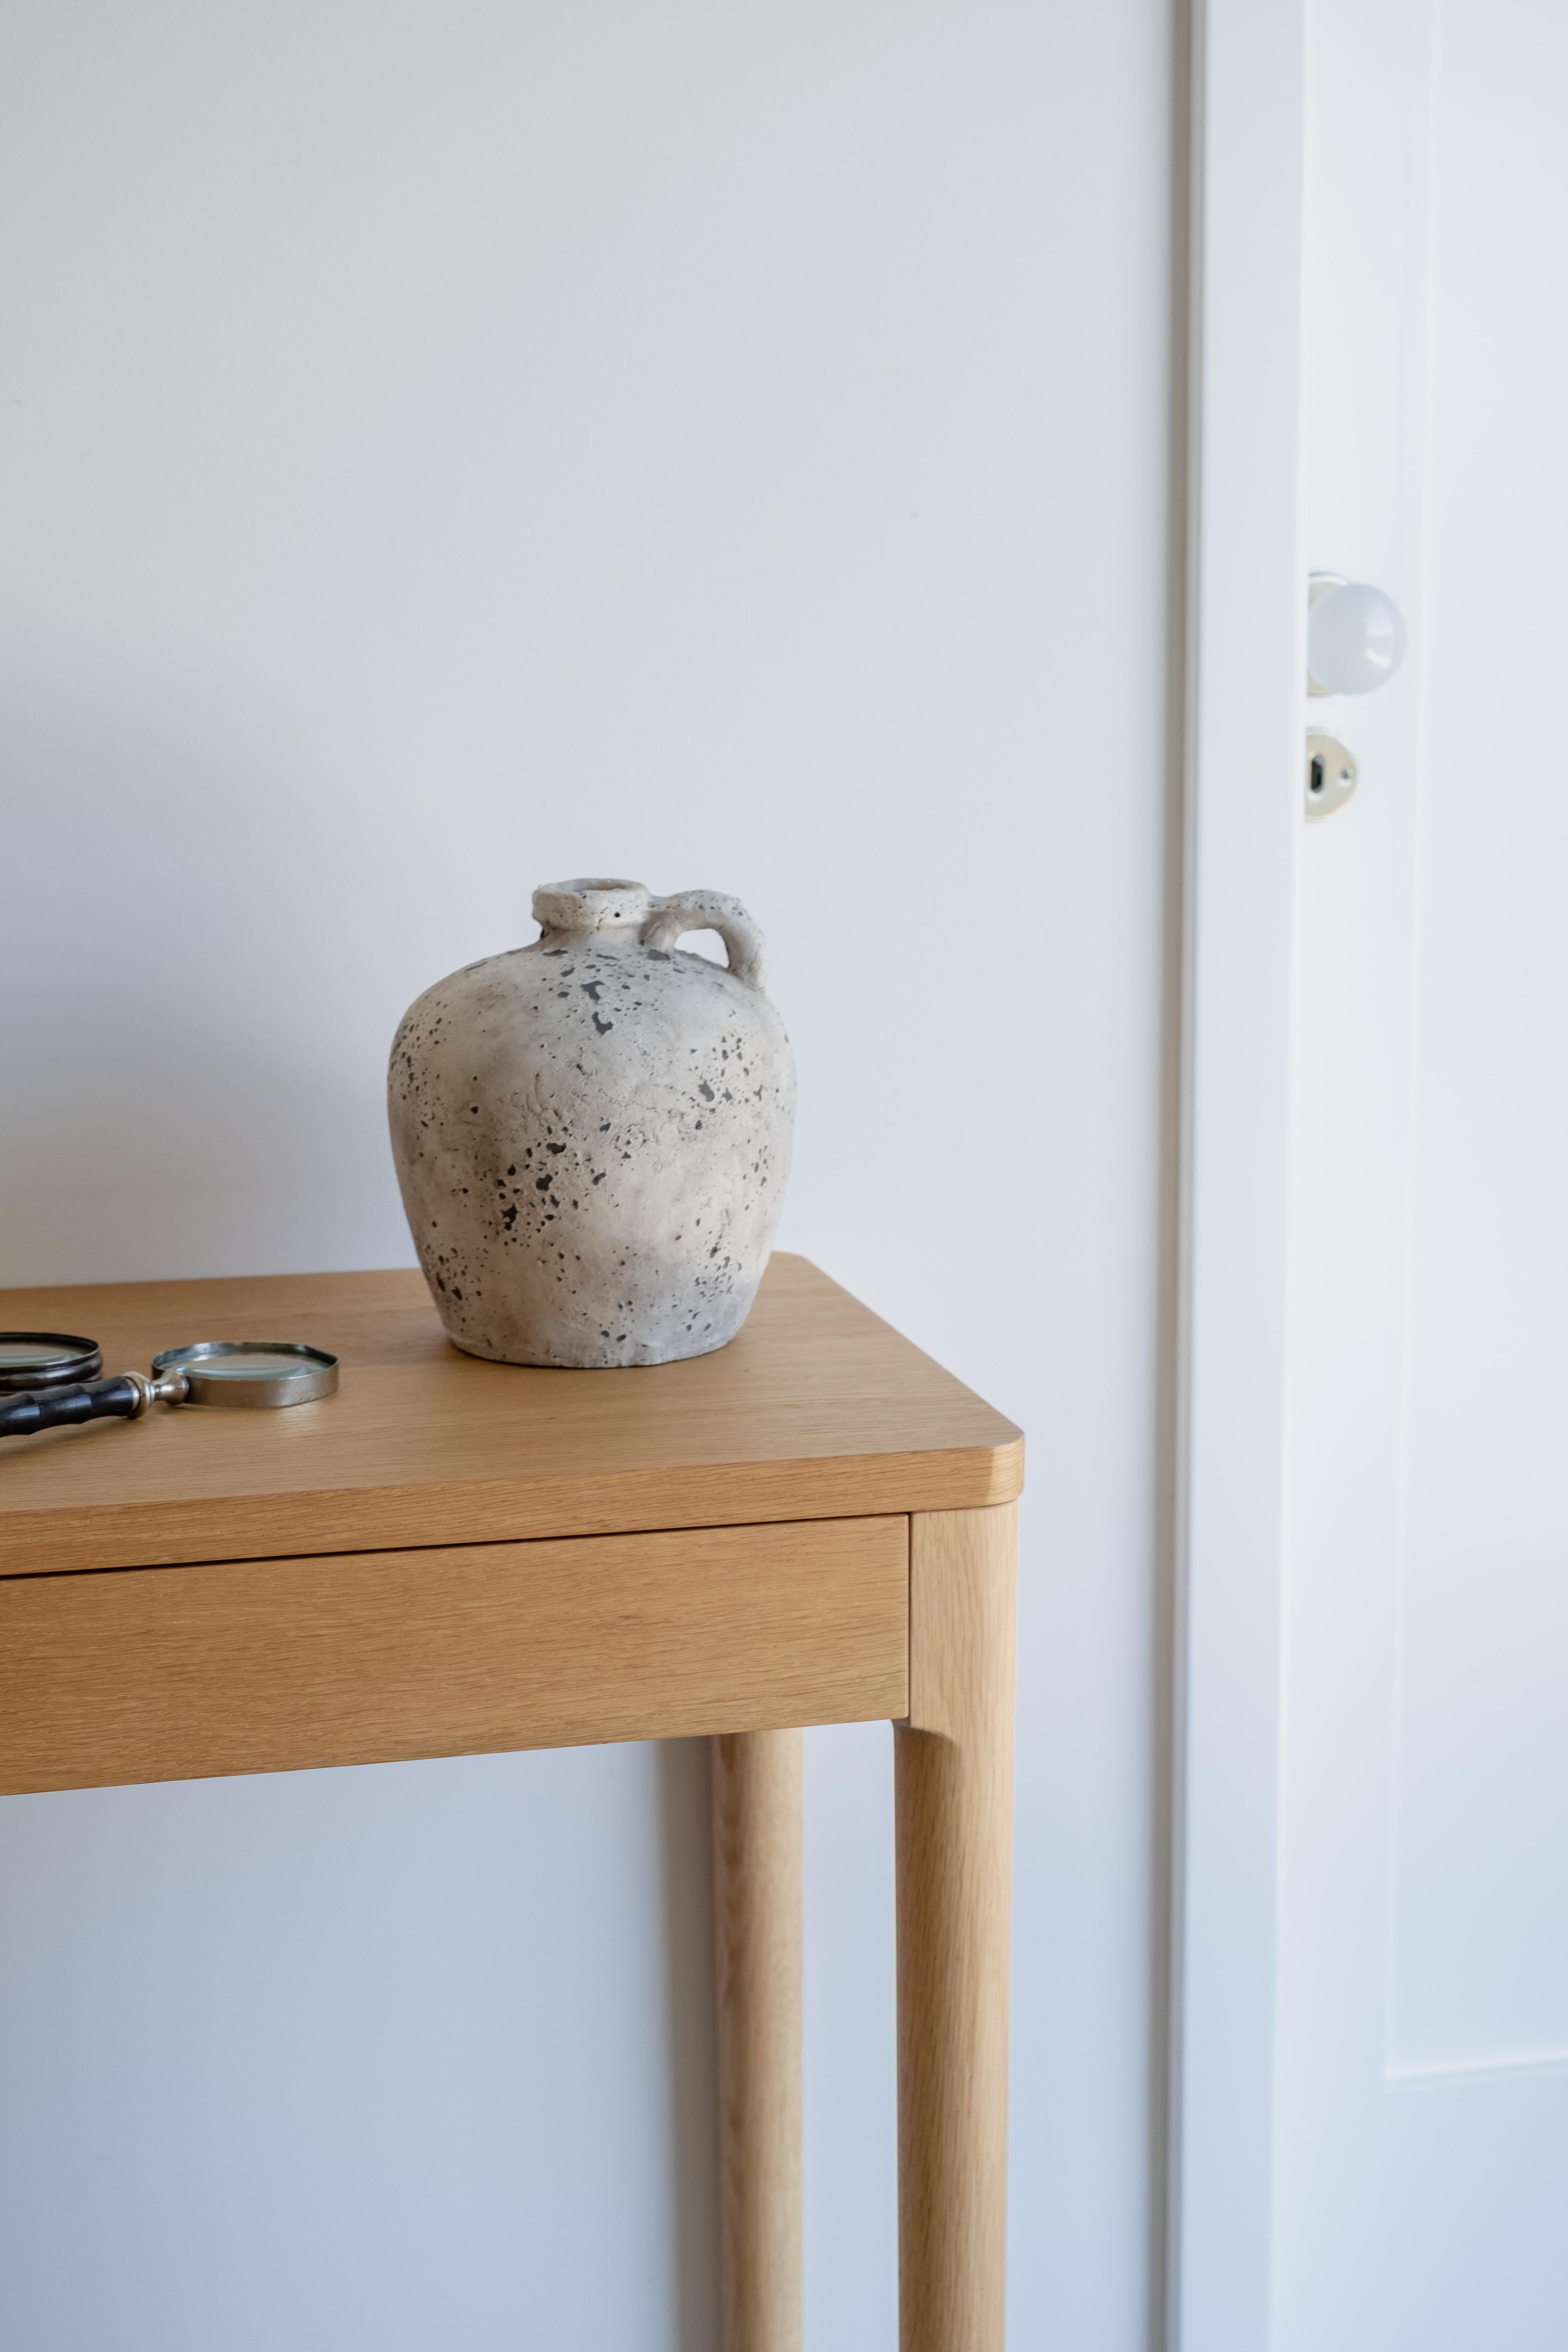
(592, 906)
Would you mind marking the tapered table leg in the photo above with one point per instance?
(954, 1795)
(757, 1851)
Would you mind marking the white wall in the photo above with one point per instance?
(450, 446)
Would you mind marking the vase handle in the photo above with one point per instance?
(709, 911)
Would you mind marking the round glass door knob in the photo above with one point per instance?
(1355, 635)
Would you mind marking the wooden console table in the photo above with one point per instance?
(451, 1557)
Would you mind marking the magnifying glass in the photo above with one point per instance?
(48, 1380)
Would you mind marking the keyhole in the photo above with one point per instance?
(1331, 775)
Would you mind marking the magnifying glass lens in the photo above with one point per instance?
(42, 1359)
(250, 1372)
(248, 1366)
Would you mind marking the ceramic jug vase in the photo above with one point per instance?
(593, 1133)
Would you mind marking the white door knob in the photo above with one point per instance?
(1355, 635)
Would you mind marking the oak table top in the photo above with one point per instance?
(817, 1409)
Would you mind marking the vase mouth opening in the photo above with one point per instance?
(591, 903)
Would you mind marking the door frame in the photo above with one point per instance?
(1245, 656)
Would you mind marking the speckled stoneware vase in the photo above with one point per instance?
(593, 1133)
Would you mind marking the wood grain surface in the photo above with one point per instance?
(816, 1411)
(758, 1857)
(953, 1804)
(281, 1664)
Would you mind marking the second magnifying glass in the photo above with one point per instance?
(48, 1378)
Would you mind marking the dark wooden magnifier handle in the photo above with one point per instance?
(119, 1399)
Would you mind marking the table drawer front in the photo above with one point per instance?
(370, 1657)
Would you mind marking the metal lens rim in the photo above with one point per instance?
(317, 1375)
(62, 1359)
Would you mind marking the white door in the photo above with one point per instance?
(1420, 2179)
(1369, 2149)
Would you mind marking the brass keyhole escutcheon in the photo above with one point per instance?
(1330, 775)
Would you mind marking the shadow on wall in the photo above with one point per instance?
(685, 1800)
(685, 1824)
(207, 1033)
(112, 1168)
(402, 2058)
